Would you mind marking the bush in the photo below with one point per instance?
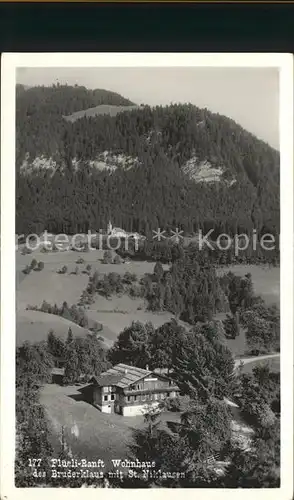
(129, 278)
(27, 270)
(115, 282)
(117, 259)
(86, 247)
(177, 404)
(86, 299)
(33, 264)
(173, 404)
(44, 249)
(26, 251)
(40, 266)
(135, 290)
(107, 257)
(63, 270)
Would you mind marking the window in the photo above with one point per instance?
(143, 397)
(129, 398)
(105, 398)
(135, 398)
(155, 396)
(112, 397)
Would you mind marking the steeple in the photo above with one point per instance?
(109, 228)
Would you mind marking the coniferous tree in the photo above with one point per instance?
(70, 337)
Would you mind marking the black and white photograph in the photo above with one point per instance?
(150, 317)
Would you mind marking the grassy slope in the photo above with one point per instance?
(47, 285)
(274, 365)
(114, 314)
(103, 109)
(99, 435)
(266, 280)
(34, 326)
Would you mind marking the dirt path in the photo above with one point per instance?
(245, 361)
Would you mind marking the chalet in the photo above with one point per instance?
(126, 390)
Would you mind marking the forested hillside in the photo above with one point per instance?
(174, 166)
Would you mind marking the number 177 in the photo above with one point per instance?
(35, 462)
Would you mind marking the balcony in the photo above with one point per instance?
(159, 390)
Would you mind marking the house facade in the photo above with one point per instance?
(116, 231)
(127, 390)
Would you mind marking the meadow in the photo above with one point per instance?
(266, 280)
(88, 432)
(114, 314)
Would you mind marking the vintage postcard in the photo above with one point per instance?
(147, 274)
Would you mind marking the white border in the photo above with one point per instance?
(284, 62)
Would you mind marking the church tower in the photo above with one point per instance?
(109, 228)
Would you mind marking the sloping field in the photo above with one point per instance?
(266, 280)
(116, 321)
(274, 365)
(35, 325)
(117, 303)
(266, 283)
(50, 286)
(56, 288)
(95, 435)
(55, 260)
(89, 433)
(102, 109)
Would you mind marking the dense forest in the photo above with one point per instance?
(75, 196)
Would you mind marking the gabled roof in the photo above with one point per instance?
(106, 379)
(121, 375)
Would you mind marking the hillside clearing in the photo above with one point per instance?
(35, 325)
(266, 280)
(273, 363)
(114, 314)
(102, 109)
(56, 288)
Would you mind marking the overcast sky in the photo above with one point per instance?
(250, 96)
